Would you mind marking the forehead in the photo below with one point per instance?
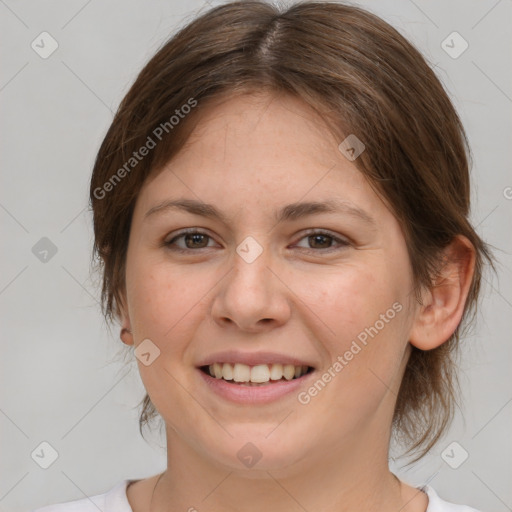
(260, 151)
(253, 121)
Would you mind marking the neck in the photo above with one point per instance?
(345, 478)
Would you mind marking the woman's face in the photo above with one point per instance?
(331, 290)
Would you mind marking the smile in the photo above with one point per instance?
(255, 385)
(258, 375)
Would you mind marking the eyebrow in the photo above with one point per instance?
(290, 212)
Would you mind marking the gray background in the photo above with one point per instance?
(62, 378)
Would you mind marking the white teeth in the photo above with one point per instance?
(227, 372)
(217, 371)
(241, 373)
(288, 371)
(276, 372)
(259, 374)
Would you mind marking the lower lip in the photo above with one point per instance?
(241, 394)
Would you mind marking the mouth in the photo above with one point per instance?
(257, 375)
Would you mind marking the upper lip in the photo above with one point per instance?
(252, 358)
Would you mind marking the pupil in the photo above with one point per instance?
(319, 237)
(195, 237)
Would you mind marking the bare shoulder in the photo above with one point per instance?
(415, 500)
(139, 493)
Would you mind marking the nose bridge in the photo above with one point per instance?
(249, 294)
(251, 263)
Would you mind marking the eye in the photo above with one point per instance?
(192, 238)
(321, 241)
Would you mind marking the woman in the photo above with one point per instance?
(281, 211)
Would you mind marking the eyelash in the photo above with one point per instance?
(342, 243)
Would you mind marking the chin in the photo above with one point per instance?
(254, 455)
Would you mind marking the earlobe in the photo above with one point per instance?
(126, 336)
(441, 312)
(126, 330)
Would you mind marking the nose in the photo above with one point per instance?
(252, 297)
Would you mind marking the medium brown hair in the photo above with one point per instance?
(365, 79)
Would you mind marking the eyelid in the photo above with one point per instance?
(341, 240)
(199, 231)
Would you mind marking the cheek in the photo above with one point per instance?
(348, 298)
(167, 302)
(165, 307)
(364, 308)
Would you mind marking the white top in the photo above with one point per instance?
(116, 500)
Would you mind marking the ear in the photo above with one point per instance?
(126, 334)
(443, 304)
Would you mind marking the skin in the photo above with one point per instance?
(250, 156)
